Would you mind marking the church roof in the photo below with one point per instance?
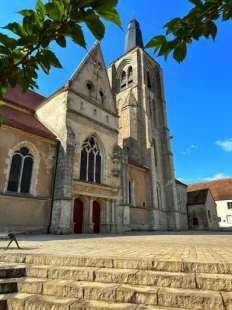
(221, 189)
(16, 118)
(133, 36)
(29, 100)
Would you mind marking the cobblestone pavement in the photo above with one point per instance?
(184, 246)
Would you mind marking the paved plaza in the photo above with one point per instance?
(184, 246)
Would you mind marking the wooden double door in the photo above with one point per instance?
(78, 215)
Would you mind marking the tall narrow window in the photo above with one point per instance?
(130, 77)
(148, 80)
(130, 193)
(90, 162)
(123, 81)
(21, 171)
(159, 197)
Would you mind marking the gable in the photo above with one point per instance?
(91, 81)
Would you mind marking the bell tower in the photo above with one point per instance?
(137, 83)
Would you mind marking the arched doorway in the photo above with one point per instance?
(96, 217)
(78, 211)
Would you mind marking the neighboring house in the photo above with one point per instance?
(222, 193)
(182, 200)
(202, 210)
(94, 156)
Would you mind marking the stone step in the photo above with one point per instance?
(21, 301)
(144, 295)
(8, 286)
(142, 264)
(214, 282)
(12, 271)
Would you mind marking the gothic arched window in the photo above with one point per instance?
(148, 80)
(130, 76)
(159, 197)
(90, 161)
(21, 171)
(123, 81)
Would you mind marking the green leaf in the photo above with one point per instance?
(26, 12)
(212, 1)
(61, 40)
(197, 32)
(75, 32)
(17, 55)
(51, 57)
(227, 13)
(1, 120)
(85, 3)
(196, 2)
(212, 29)
(97, 28)
(28, 25)
(60, 7)
(104, 5)
(4, 50)
(52, 11)
(111, 15)
(16, 28)
(82, 16)
(156, 41)
(180, 52)
(8, 42)
(2, 103)
(40, 7)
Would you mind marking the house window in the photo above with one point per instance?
(229, 205)
(130, 76)
(219, 219)
(21, 171)
(90, 161)
(123, 81)
(209, 216)
(229, 219)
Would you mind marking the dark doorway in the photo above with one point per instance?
(96, 217)
(78, 216)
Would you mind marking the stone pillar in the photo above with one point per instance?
(113, 224)
(108, 213)
(90, 222)
(154, 212)
(62, 203)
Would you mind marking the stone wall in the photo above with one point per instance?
(182, 200)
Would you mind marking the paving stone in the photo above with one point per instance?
(17, 301)
(121, 276)
(190, 299)
(48, 303)
(227, 299)
(214, 282)
(73, 273)
(137, 294)
(30, 285)
(59, 288)
(37, 271)
(101, 305)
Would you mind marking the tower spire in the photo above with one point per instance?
(134, 35)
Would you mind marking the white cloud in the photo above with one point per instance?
(217, 176)
(226, 145)
(189, 149)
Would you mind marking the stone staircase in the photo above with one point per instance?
(40, 282)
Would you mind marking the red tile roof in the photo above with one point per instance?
(220, 189)
(29, 100)
(24, 121)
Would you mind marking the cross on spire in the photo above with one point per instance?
(133, 13)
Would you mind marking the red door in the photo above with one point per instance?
(78, 216)
(96, 217)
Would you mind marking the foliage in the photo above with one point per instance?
(199, 22)
(56, 20)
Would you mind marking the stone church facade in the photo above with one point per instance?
(102, 162)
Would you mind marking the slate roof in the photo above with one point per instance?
(133, 36)
(25, 121)
(197, 197)
(29, 100)
(220, 189)
(179, 182)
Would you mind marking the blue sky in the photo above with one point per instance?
(198, 92)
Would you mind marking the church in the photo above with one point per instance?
(94, 156)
